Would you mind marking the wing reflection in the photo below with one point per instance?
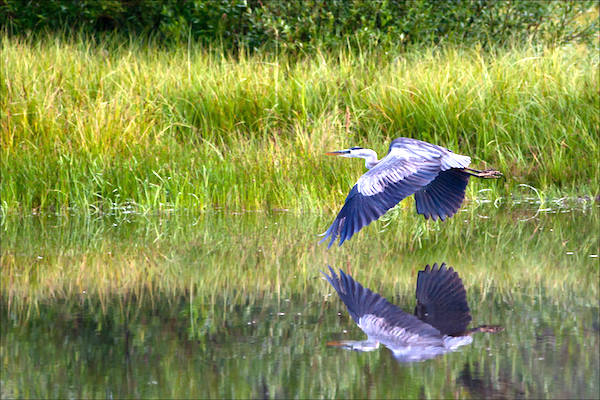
(439, 325)
(408, 353)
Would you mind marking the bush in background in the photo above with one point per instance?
(308, 24)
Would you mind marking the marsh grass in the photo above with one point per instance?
(97, 126)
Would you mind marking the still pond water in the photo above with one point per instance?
(232, 305)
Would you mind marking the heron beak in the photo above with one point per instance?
(337, 153)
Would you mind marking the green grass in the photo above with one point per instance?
(100, 127)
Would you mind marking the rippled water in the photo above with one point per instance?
(228, 305)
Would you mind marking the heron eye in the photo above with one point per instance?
(355, 148)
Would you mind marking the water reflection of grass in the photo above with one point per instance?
(234, 256)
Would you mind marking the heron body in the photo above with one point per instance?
(439, 324)
(435, 175)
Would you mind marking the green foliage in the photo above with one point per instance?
(311, 24)
(94, 127)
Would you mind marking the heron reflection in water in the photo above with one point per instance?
(438, 326)
(435, 175)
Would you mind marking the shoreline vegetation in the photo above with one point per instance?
(89, 126)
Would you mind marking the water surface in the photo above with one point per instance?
(232, 305)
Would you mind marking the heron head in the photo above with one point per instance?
(353, 152)
(349, 153)
(357, 152)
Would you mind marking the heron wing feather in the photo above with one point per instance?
(398, 165)
(409, 166)
(379, 193)
(443, 196)
(448, 159)
(376, 316)
(360, 210)
(442, 300)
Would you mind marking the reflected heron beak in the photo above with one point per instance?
(345, 344)
(356, 345)
(341, 343)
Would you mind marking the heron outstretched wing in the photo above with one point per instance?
(442, 300)
(377, 317)
(409, 166)
(443, 196)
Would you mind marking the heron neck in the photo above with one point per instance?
(371, 161)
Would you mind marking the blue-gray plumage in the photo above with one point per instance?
(439, 325)
(435, 175)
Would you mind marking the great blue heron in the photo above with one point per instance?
(435, 175)
(438, 326)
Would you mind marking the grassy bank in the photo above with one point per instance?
(112, 125)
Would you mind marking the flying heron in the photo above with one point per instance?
(439, 324)
(435, 175)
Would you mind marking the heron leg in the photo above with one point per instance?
(486, 329)
(488, 173)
